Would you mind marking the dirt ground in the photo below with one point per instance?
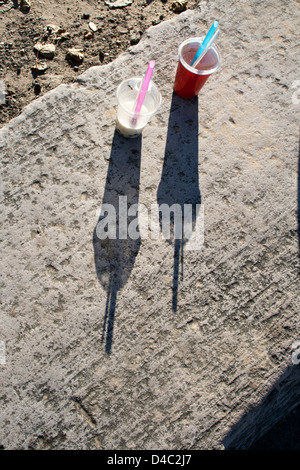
(26, 74)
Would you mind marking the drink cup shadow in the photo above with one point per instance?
(115, 257)
(179, 180)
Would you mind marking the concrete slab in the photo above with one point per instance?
(143, 344)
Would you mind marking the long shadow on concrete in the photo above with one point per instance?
(273, 424)
(179, 180)
(114, 251)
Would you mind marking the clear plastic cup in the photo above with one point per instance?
(189, 80)
(128, 123)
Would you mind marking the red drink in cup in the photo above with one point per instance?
(189, 80)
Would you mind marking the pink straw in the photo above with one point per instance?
(143, 91)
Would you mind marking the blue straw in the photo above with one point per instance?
(207, 42)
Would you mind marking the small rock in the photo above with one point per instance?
(121, 30)
(24, 5)
(53, 29)
(179, 6)
(93, 27)
(75, 55)
(134, 39)
(45, 50)
(88, 35)
(40, 68)
(85, 16)
(118, 3)
(62, 37)
(59, 33)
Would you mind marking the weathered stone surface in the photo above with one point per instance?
(113, 346)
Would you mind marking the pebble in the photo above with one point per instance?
(45, 50)
(65, 36)
(40, 68)
(75, 55)
(179, 6)
(88, 35)
(53, 29)
(24, 5)
(122, 30)
(134, 39)
(92, 26)
(118, 3)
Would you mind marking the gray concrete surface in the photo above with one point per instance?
(138, 344)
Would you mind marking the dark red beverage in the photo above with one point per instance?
(189, 80)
